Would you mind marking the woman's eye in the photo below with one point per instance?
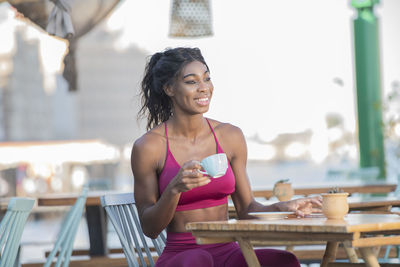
(208, 79)
(190, 82)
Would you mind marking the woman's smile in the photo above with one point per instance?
(202, 101)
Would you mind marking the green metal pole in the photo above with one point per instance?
(368, 81)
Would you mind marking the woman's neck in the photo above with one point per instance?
(188, 127)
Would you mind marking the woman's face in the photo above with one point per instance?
(192, 90)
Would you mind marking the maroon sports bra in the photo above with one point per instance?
(212, 194)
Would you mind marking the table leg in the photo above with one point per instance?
(369, 257)
(351, 254)
(330, 253)
(97, 227)
(248, 252)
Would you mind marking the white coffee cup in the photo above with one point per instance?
(215, 165)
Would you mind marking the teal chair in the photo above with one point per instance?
(11, 228)
(122, 212)
(65, 240)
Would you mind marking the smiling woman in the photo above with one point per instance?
(170, 186)
(193, 87)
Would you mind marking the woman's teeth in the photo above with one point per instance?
(202, 101)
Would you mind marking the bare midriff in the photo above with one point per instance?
(181, 218)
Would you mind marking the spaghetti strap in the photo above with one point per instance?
(215, 137)
(166, 135)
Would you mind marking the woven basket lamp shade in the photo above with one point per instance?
(190, 18)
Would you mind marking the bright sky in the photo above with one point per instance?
(273, 63)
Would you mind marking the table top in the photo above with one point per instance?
(67, 199)
(369, 202)
(93, 199)
(319, 188)
(356, 203)
(312, 224)
(356, 230)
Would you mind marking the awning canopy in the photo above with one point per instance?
(69, 19)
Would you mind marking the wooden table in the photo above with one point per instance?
(373, 204)
(362, 231)
(356, 204)
(95, 216)
(319, 188)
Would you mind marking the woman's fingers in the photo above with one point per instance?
(192, 178)
(300, 213)
(193, 183)
(316, 210)
(191, 173)
(192, 165)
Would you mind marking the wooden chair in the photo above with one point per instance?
(122, 213)
(65, 240)
(11, 229)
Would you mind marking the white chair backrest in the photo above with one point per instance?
(123, 215)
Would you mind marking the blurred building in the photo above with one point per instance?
(108, 88)
(26, 107)
(104, 108)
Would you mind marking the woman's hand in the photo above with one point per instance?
(302, 206)
(189, 177)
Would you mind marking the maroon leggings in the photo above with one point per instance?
(181, 250)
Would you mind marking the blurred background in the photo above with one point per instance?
(283, 71)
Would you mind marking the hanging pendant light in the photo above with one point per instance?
(190, 18)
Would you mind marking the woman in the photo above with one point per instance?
(169, 189)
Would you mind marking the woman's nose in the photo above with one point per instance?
(203, 86)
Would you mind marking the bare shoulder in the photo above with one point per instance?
(226, 130)
(150, 145)
(230, 138)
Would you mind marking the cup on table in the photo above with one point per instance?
(215, 165)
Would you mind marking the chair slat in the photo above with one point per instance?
(16, 232)
(130, 256)
(157, 243)
(66, 235)
(122, 212)
(4, 222)
(7, 228)
(139, 230)
(11, 228)
(130, 232)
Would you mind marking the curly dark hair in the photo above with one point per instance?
(162, 70)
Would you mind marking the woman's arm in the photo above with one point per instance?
(243, 198)
(155, 211)
(235, 147)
